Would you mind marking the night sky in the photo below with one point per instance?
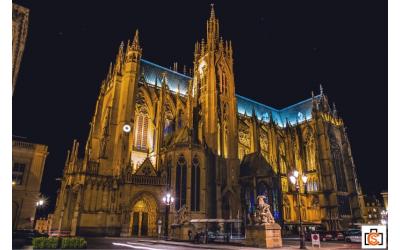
(282, 51)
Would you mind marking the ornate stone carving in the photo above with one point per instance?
(182, 216)
(244, 137)
(262, 215)
(264, 141)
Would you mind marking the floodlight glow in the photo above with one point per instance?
(304, 178)
(292, 179)
(126, 128)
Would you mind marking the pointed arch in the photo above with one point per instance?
(144, 92)
(171, 103)
(180, 182)
(142, 119)
(195, 184)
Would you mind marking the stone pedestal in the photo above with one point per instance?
(265, 236)
(180, 231)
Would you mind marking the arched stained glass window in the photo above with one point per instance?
(180, 182)
(142, 125)
(195, 184)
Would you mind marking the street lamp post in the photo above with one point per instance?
(294, 179)
(384, 214)
(168, 200)
(41, 203)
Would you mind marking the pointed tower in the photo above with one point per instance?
(123, 105)
(214, 85)
(213, 102)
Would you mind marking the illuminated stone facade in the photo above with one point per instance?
(28, 161)
(155, 130)
(20, 20)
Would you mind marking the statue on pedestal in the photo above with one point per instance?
(263, 231)
(262, 215)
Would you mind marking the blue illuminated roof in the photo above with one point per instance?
(175, 80)
(298, 112)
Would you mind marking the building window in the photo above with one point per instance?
(312, 185)
(180, 182)
(169, 124)
(339, 171)
(141, 131)
(344, 205)
(224, 83)
(18, 173)
(195, 185)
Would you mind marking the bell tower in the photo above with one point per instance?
(214, 89)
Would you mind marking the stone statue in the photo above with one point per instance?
(262, 214)
(263, 232)
(182, 215)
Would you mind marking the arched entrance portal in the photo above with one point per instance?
(143, 219)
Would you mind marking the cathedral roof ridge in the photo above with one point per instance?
(166, 69)
(300, 102)
(256, 102)
(179, 84)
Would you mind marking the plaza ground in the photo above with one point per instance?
(154, 244)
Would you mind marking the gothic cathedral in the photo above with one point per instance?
(155, 130)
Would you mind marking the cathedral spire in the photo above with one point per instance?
(128, 46)
(135, 43)
(110, 71)
(212, 30)
(120, 58)
(334, 112)
(321, 89)
(212, 15)
(133, 51)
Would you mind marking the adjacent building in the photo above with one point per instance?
(28, 161)
(373, 210)
(20, 21)
(156, 130)
(43, 225)
(28, 158)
